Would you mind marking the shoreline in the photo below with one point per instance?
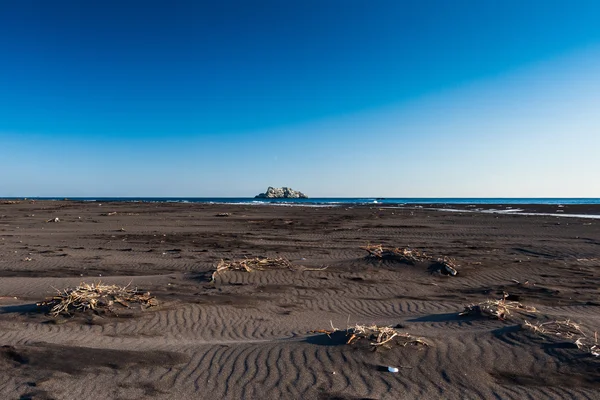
(583, 210)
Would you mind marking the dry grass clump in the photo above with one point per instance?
(96, 297)
(497, 309)
(569, 330)
(445, 265)
(252, 264)
(259, 264)
(383, 335)
(388, 253)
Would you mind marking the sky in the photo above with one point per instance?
(336, 98)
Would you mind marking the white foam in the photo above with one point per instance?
(266, 203)
(518, 211)
(589, 216)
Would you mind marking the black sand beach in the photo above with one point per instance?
(256, 334)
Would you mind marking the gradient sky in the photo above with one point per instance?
(334, 98)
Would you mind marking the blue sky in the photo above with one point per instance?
(335, 98)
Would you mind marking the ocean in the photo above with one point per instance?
(332, 201)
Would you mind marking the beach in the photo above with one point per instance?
(270, 333)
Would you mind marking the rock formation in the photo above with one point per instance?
(281, 193)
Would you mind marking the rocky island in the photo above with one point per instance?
(281, 193)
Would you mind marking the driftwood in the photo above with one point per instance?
(497, 309)
(96, 297)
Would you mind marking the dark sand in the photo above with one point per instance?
(248, 335)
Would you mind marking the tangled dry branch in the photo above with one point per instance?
(96, 297)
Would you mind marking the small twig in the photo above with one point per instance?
(385, 341)
(333, 327)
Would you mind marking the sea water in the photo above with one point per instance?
(333, 201)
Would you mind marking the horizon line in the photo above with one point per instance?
(309, 198)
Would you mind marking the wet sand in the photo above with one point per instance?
(248, 335)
